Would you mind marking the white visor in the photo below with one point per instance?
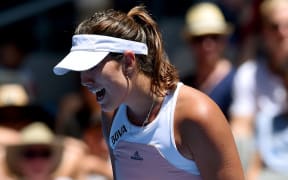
(88, 50)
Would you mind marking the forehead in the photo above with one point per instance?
(280, 15)
(276, 12)
(109, 58)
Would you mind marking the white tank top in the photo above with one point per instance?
(149, 153)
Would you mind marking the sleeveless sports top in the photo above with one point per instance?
(149, 153)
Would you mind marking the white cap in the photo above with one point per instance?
(88, 50)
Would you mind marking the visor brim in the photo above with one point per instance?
(79, 61)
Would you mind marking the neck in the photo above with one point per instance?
(146, 121)
(147, 113)
(206, 82)
(205, 66)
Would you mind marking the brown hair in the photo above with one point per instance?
(137, 25)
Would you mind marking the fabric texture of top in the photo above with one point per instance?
(150, 152)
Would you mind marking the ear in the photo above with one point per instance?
(129, 63)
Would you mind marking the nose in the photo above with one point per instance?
(280, 28)
(208, 43)
(283, 30)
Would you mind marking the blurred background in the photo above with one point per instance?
(36, 34)
(41, 31)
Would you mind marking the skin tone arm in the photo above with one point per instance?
(203, 134)
(255, 167)
(242, 126)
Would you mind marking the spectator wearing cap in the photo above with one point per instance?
(206, 33)
(37, 155)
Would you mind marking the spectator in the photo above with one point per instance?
(258, 88)
(13, 71)
(9, 136)
(74, 151)
(270, 160)
(37, 155)
(207, 33)
(98, 159)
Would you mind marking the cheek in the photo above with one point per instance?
(113, 76)
(116, 85)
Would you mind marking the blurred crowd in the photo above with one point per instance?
(235, 51)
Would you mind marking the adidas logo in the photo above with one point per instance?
(136, 156)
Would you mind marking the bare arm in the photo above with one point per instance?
(242, 126)
(255, 167)
(203, 135)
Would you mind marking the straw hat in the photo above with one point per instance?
(206, 18)
(34, 134)
(13, 94)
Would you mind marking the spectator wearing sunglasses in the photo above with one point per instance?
(260, 108)
(37, 155)
(206, 33)
(258, 89)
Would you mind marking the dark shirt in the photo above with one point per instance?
(221, 93)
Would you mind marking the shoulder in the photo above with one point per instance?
(198, 117)
(203, 134)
